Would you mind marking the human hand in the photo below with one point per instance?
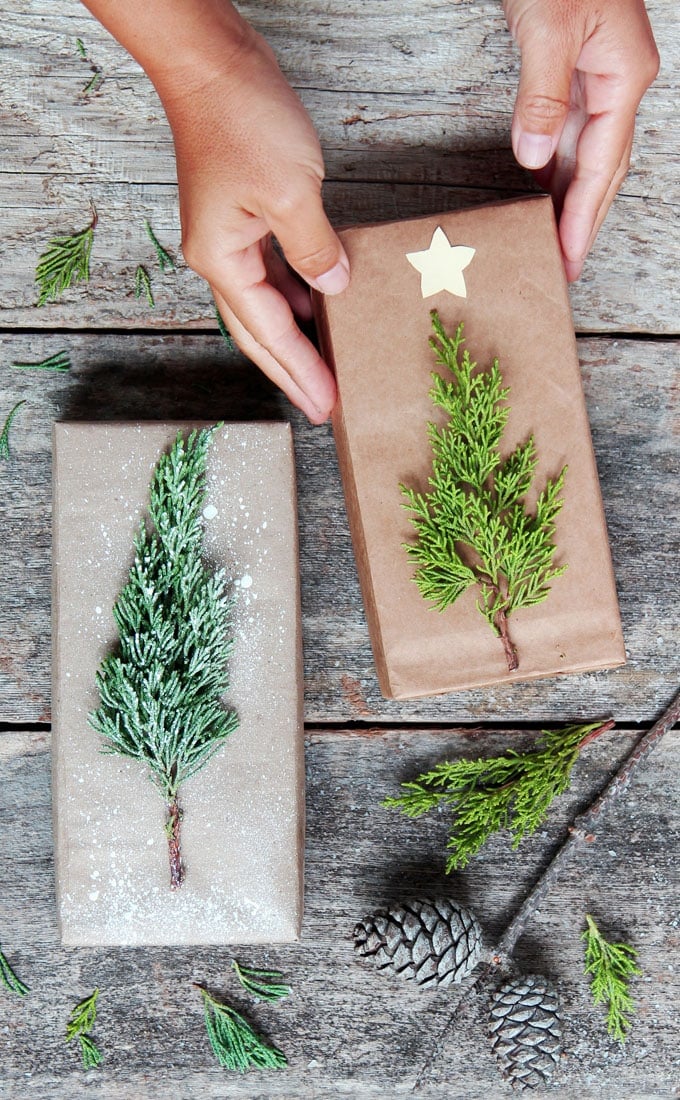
(585, 67)
(249, 165)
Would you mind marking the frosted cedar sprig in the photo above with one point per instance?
(60, 362)
(511, 791)
(80, 1022)
(9, 979)
(611, 966)
(265, 985)
(472, 526)
(4, 434)
(234, 1042)
(161, 691)
(165, 260)
(143, 285)
(65, 261)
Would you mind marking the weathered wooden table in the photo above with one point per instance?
(413, 104)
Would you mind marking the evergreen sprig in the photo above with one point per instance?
(472, 526)
(224, 331)
(9, 979)
(234, 1042)
(611, 965)
(80, 1022)
(143, 285)
(4, 434)
(165, 260)
(65, 261)
(511, 791)
(161, 693)
(265, 985)
(60, 362)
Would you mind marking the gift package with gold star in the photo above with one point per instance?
(465, 452)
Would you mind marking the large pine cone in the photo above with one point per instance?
(526, 1031)
(435, 942)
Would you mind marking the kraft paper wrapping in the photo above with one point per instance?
(375, 335)
(243, 825)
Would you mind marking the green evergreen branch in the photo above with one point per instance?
(224, 331)
(161, 692)
(65, 261)
(266, 985)
(511, 791)
(472, 526)
(80, 46)
(80, 1022)
(612, 965)
(4, 434)
(97, 74)
(9, 979)
(165, 260)
(60, 362)
(143, 285)
(234, 1043)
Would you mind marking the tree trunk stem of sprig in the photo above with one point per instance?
(501, 621)
(173, 828)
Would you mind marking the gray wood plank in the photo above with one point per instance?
(413, 111)
(632, 389)
(347, 1030)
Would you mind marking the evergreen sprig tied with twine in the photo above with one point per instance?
(65, 261)
(511, 791)
(9, 979)
(611, 966)
(81, 1021)
(161, 693)
(234, 1042)
(60, 363)
(265, 985)
(4, 434)
(472, 525)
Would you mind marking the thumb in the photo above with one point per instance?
(309, 242)
(543, 96)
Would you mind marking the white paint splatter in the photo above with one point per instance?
(210, 511)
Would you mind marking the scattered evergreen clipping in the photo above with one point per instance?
(97, 74)
(265, 985)
(9, 979)
(143, 285)
(611, 965)
(235, 1045)
(165, 260)
(224, 331)
(65, 261)
(472, 525)
(80, 1023)
(511, 791)
(60, 363)
(4, 434)
(161, 691)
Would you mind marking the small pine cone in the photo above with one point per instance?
(526, 1030)
(435, 942)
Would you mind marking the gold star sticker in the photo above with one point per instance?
(441, 265)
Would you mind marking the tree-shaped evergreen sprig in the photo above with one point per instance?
(80, 1023)
(611, 967)
(161, 692)
(510, 791)
(235, 1044)
(65, 261)
(472, 525)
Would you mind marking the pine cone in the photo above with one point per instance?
(526, 1030)
(435, 942)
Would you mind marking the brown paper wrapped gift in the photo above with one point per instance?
(514, 305)
(242, 831)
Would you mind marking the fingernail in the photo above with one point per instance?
(534, 150)
(333, 281)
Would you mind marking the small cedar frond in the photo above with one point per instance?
(143, 285)
(9, 979)
(4, 434)
(265, 985)
(234, 1042)
(224, 331)
(165, 260)
(65, 261)
(80, 1023)
(611, 967)
(60, 362)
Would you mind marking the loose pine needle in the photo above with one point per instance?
(65, 261)
(234, 1043)
(224, 331)
(165, 260)
(265, 985)
(512, 791)
(143, 285)
(59, 362)
(4, 434)
(9, 979)
(80, 1022)
(612, 965)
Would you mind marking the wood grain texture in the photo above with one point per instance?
(347, 1030)
(413, 108)
(633, 395)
